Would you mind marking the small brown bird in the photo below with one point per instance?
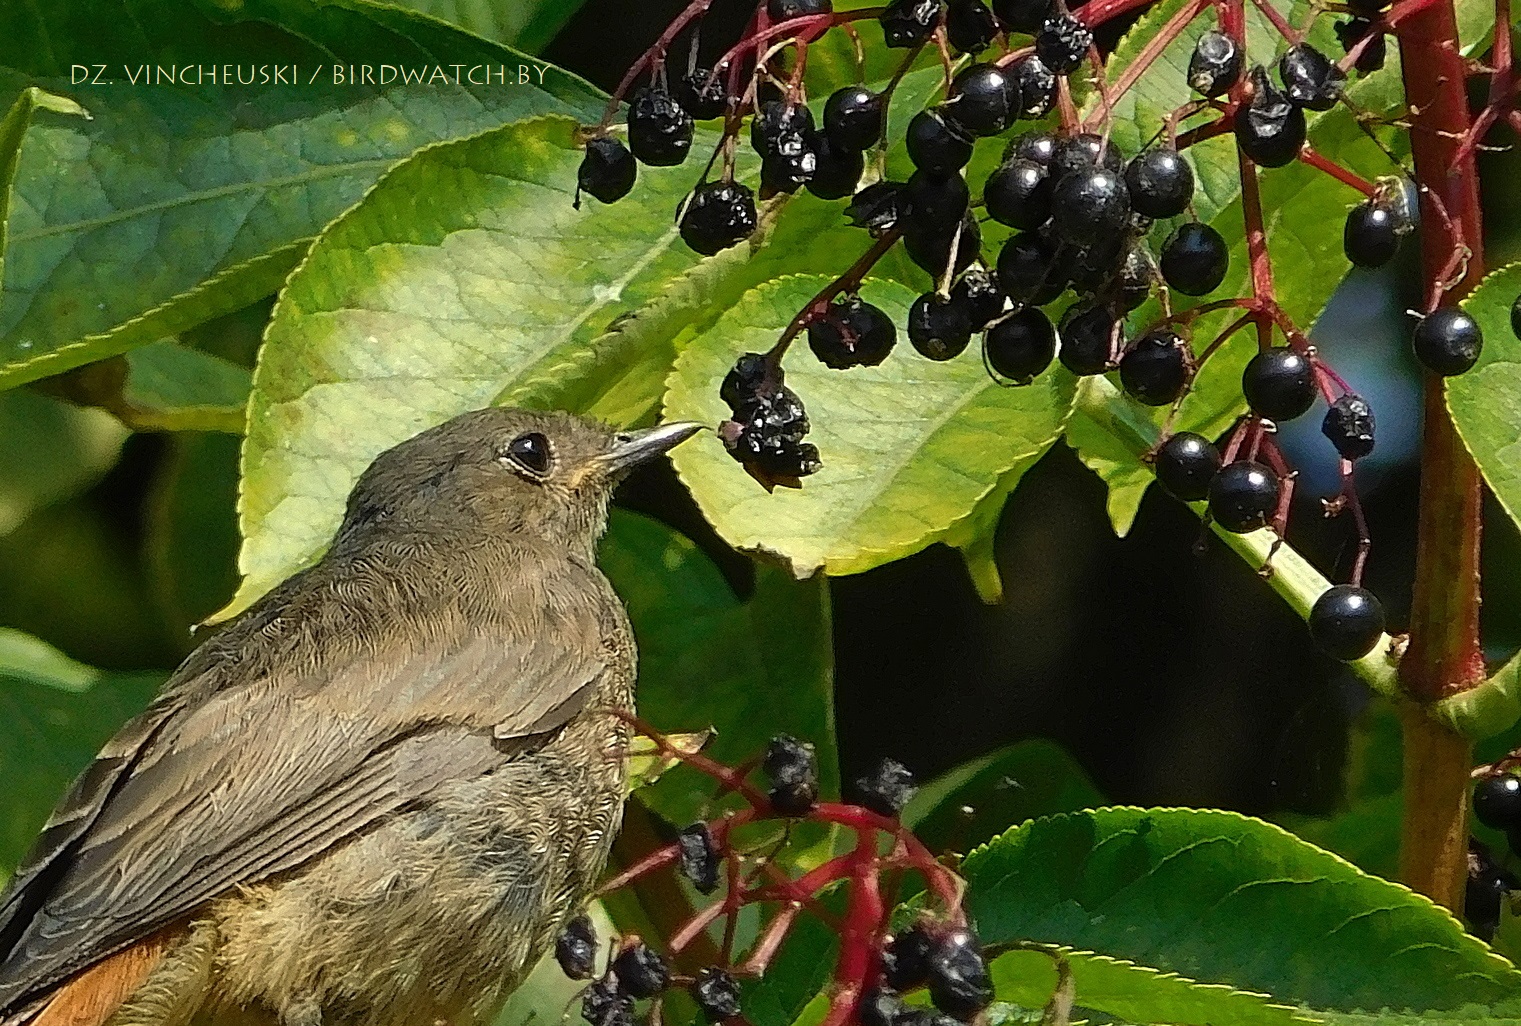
(376, 795)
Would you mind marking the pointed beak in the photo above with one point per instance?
(632, 448)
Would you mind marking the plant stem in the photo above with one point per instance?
(1444, 657)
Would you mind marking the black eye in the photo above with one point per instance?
(531, 452)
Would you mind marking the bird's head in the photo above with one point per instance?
(547, 474)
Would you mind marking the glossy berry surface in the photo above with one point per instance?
(717, 994)
(793, 767)
(978, 293)
(1279, 383)
(885, 790)
(936, 144)
(1242, 496)
(1078, 152)
(719, 215)
(937, 202)
(1027, 269)
(791, 165)
(907, 23)
(1025, 16)
(853, 118)
(659, 130)
(780, 127)
(700, 98)
(641, 971)
(1133, 280)
(1350, 427)
(1088, 206)
(607, 171)
(1062, 43)
(1020, 347)
(1269, 129)
(1087, 333)
(1497, 801)
(879, 208)
(853, 334)
(933, 250)
(766, 431)
(1372, 234)
(939, 328)
(906, 961)
(786, 10)
(1037, 87)
(1485, 889)
(880, 1006)
(1160, 182)
(1018, 194)
(1195, 259)
(836, 172)
(1215, 64)
(1154, 369)
(1346, 622)
(1309, 77)
(1186, 464)
(1448, 341)
(606, 1003)
(959, 983)
(1036, 147)
(576, 948)
(983, 100)
(970, 26)
(699, 857)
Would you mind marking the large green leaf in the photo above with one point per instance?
(50, 450)
(172, 387)
(528, 25)
(185, 202)
(909, 447)
(1222, 898)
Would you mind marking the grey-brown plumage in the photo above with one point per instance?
(374, 796)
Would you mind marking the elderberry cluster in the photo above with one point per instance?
(947, 961)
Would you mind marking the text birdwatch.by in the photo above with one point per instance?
(374, 797)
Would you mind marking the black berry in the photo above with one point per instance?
(641, 971)
(1309, 78)
(1195, 259)
(717, 994)
(1036, 147)
(906, 961)
(576, 948)
(699, 857)
(719, 215)
(938, 327)
(1062, 43)
(1515, 317)
(606, 1003)
(659, 130)
(1242, 496)
(1155, 368)
(780, 127)
(1270, 129)
(983, 100)
(1351, 32)
(1018, 194)
(1484, 893)
(853, 118)
(702, 99)
(750, 377)
(1372, 234)
(1089, 205)
(836, 171)
(879, 208)
(931, 249)
(879, 1006)
(959, 983)
(1349, 426)
(886, 790)
(937, 144)
(786, 10)
(970, 26)
(607, 171)
(908, 23)
(1346, 622)
(1161, 183)
(981, 297)
(1186, 464)
(793, 767)
(1279, 383)
(1132, 282)
(853, 334)
(1215, 65)
(1037, 87)
(769, 422)
(1497, 801)
(1448, 341)
(1025, 16)
(1082, 151)
(1020, 347)
(791, 165)
(1088, 336)
(1028, 271)
(937, 203)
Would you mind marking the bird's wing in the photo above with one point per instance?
(228, 784)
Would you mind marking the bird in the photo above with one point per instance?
(375, 796)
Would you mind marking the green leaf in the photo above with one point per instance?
(51, 450)
(191, 538)
(172, 387)
(750, 669)
(909, 447)
(186, 203)
(528, 25)
(1225, 899)
(56, 715)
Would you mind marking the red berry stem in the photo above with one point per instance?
(1149, 54)
(653, 56)
(1308, 155)
(818, 306)
(1287, 31)
(1258, 261)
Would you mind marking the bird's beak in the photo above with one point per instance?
(631, 448)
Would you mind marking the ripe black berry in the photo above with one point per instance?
(1349, 426)
(719, 215)
(791, 165)
(1497, 801)
(1088, 338)
(751, 376)
(659, 131)
(606, 1003)
(1270, 129)
(853, 118)
(880, 1006)
(959, 983)
(1018, 194)
(576, 948)
(931, 250)
(1062, 43)
(908, 23)
(1079, 152)
(1485, 890)
(1155, 369)
(980, 296)
(1372, 235)
(1025, 16)
(1137, 273)
(1215, 65)
(1346, 621)
(983, 100)
(853, 334)
(1515, 317)
(699, 857)
(1036, 147)
(1448, 341)
(641, 971)
(1195, 259)
(1028, 271)
(1089, 205)
(939, 328)
(786, 10)
(937, 203)
(879, 208)
(1186, 464)
(970, 26)
(1037, 87)
(1161, 183)
(779, 127)
(769, 422)
(793, 767)
(836, 172)
(1093, 268)
(886, 790)
(607, 171)
(1279, 383)
(1351, 32)
(906, 961)
(937, 144)
(1242, 496)
(717, 994)
(1020, 347)
(1309, 78)
(702, 99)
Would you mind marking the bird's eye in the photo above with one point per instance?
(531, 453)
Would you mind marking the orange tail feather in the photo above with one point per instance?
(93, 995)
